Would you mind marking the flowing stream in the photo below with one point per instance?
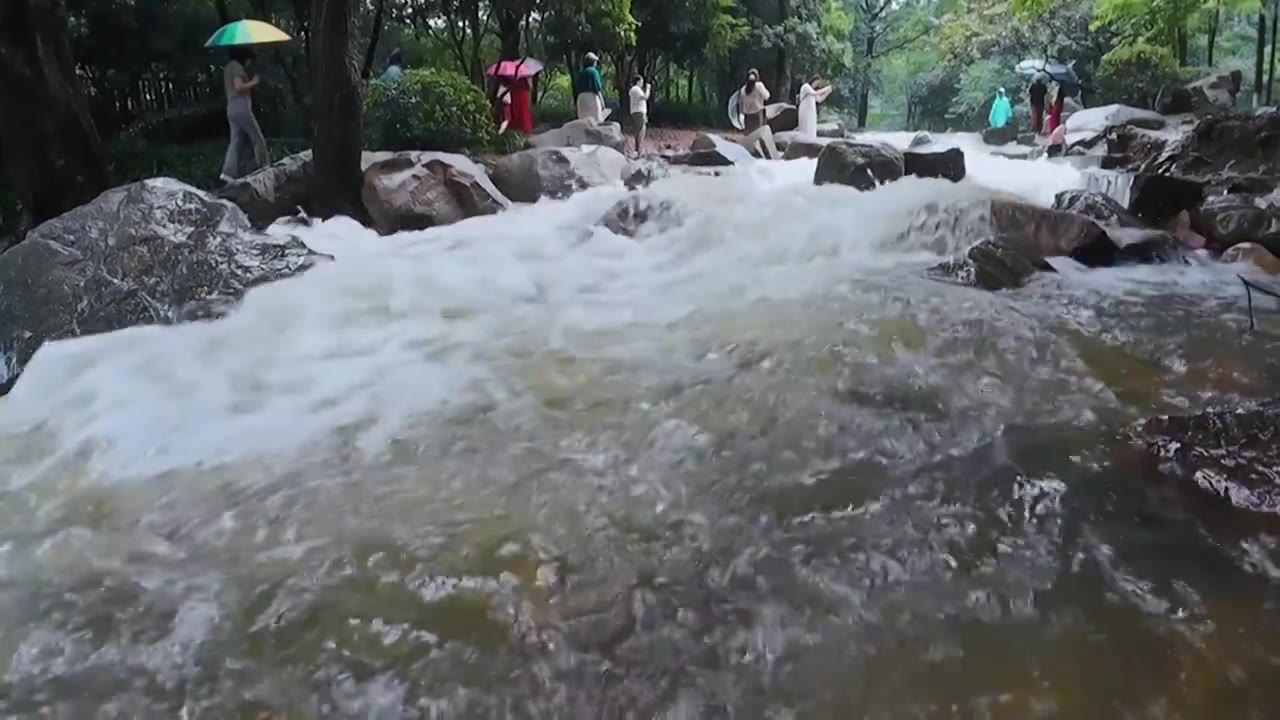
(753, 467)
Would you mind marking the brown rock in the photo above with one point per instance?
(1253, 254)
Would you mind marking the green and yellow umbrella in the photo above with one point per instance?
(246, 32)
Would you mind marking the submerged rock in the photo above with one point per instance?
(948, 164)
(645, 171)
(638, 216)
(413, 191)
(156, 251)
(860, 165)
(530, 175)
(1229, 454)
(989, 265)
(577, 133)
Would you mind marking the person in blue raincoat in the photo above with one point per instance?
(1001, 110)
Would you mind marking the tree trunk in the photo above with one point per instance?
(1180, 40)
(780, 62)
(336, 178)
(375, 33)
(864, 93)
(1271, 72)
(1259, 59)
(509, 16)
(52, 148)
(1214, 21)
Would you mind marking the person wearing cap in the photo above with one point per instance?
(590, 90)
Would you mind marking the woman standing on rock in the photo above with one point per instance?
(244, 126)
(590, 91)
(811, 93)
(751, 100)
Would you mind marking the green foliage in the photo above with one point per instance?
(427, 110)
(133, 158)
(1135, 73)
(1156, 21)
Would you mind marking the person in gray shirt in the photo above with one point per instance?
(238, 84)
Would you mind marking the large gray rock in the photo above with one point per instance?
(156, 251)
(1215, 93)
(577, 133)
(530, 175)
(948, 164)
(417, 190)
(1018, 235)
(1227, 220)
(1098, 119)
(1224, 147)
(859, 165)
(276, 191)
(832, 129)
(711, 150)
(1157, 198)
(1252, 254)
(1097, 207)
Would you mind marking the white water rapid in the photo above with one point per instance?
(755, 466)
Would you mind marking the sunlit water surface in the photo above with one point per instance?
(754, 467)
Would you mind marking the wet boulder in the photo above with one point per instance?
(811, 149)
(860, 165)
(920, 140)
(645, 171)
(989, 265)
(1227, 220)
(1220, 148)
(1215, 93)
(1175, 100)
(273, 192)
(577, 133)
(1097, 207)
(413, 191)
(1230, 455)
(153, 252)
(948, 164)
(833, 130)
(529, 175)
(1000, 136)
(1156, 198)
(1133, 147)
(1098, 119)
(711, 150)
(639, 216)
(1252, 254)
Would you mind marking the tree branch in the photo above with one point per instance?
(903, 44)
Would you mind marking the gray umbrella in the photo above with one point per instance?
(1061, 72)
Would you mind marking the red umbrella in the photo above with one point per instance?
(522, 68)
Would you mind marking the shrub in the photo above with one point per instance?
(427, 110)
(1135, 73)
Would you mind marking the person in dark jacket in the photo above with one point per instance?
(1036, 94)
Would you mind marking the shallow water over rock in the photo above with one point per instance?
(756, 465)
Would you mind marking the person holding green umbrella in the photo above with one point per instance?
(238, 81)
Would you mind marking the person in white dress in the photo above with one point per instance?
(811, 93)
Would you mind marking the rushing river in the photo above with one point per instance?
(754, 467)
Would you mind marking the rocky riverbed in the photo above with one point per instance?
(904, 429)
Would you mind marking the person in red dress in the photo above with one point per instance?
(521, 112)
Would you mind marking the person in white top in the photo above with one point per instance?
(639, 110)
(751, 100)
(811, 93)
